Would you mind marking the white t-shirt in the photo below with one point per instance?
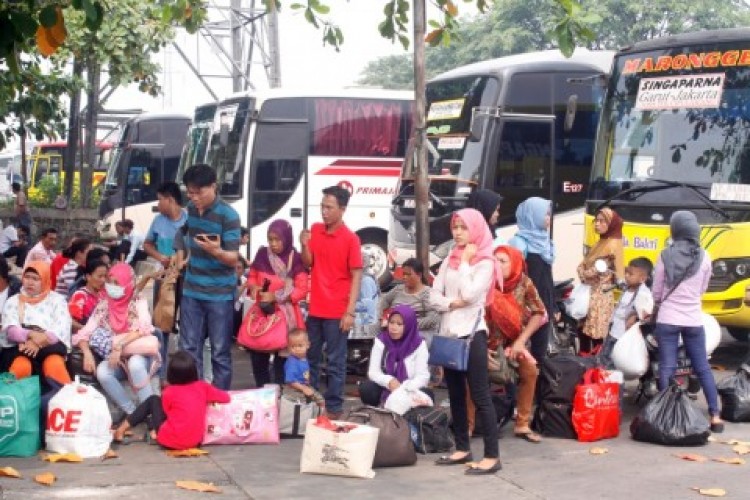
(639, 301)
(8, 236)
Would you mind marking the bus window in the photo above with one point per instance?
(42, 165)
(229, 159)
(523, 161)
(144, 170)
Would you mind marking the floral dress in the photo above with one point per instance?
(602, 301)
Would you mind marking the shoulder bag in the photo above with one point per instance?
(453, 353)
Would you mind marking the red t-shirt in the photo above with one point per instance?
(334, 256)
(185, 411)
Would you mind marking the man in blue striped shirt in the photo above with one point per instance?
(212, 238)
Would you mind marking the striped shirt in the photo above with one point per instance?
(67, 277)
(206, 277)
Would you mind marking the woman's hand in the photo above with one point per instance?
(39, 338)
(393, 384)
(457, 304)
(266, 297)
(114, 357)
(29, 348)
(89, 363)
(470, 251)
(516, 349)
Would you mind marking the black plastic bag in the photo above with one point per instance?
(671, 419)
(735, 396)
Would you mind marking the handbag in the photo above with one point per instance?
(262, 332)
(596, 407)
(19, 416)
(394, 447)
(166, 307)
(502, 370)
(74, 364)
(453, 353)
(294, 412)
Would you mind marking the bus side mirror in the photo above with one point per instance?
(477, 128)
(224, 129)
(570, 112)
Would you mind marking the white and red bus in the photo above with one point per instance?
(275, 150)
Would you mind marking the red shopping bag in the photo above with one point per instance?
(596, 407)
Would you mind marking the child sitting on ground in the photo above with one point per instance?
(636, 303)
(177, 420)
(297, 368)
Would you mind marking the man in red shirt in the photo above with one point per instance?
(333, 253)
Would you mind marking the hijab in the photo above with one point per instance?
(262, 261)
(610, 243)
(396, 351)
(479, 235)
(531, 216)
(486, 202)
(43, 270)
(682, 258)
(118, 308)
(504, 310)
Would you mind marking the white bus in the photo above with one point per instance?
(274, 151)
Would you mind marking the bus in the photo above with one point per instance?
(495, 125)
(674, 135)
(199, 134)
(146, 155)
(275, 150)
(47, 158)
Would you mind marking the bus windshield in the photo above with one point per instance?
(228, 144)
(675, 114)
(198, 138)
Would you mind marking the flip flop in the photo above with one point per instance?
(530, 436)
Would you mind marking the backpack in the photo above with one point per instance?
(430, 431)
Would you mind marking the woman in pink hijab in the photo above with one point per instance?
(466, 279)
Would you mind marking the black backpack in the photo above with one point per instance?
(430, 431)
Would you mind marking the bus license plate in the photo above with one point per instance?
(412, 203)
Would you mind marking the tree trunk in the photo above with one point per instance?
(74, 129)
(91, 119)
(420, 150)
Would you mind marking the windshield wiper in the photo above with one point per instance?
(665, 184)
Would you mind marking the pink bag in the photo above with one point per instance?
(251, 417)
(261, 332)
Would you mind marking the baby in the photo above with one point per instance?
(297, 368)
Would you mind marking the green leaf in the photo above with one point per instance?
(24, 23)
(95, 23)
(404, 41)
(320, 8)
(77, 4)
(297, 6)
(566, 43)
(48, 16)
(90, 9)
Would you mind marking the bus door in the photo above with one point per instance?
(524, 165)
(278, 165)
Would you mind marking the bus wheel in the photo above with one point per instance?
(741, 334)
(376, 247)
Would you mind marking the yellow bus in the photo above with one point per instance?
(674, 134)
(47, 159)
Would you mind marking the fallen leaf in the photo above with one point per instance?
(46, 479)
(198, 486)
(712, 439)
(10, 472)
(711, 492)
(110, 454)
(730, 460)
(190, 452)
(691, 457)
(598, 451)
(741, 449)
(730, 441)
(63, 457)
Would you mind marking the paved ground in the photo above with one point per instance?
(556, 469)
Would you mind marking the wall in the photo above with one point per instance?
(67, 222)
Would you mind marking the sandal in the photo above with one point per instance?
(530, 436)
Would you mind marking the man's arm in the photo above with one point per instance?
(304, 241)
(348, 320)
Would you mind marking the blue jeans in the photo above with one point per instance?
(694, 339)
(326, 331)
(201, 318)
(164, 351)
(111, 380)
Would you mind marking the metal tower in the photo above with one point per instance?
(239, 34)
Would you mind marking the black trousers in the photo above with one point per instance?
(263, 372)
(19, 252)
(149, 411)
(479, 388)
(370, 393)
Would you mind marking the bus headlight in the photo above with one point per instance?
(720, 268)
(741, 269)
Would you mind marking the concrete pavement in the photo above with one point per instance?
(555, 469)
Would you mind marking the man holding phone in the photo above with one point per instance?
(212, 237)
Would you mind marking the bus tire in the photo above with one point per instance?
(376, 245)
(741, 334)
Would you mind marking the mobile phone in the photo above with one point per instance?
(208, 236)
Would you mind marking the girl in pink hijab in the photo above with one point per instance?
(465, 280)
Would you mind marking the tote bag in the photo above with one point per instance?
(19, 416)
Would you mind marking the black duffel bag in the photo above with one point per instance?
(735, 396)
(671, 419)
(430, 429)
(395, 448)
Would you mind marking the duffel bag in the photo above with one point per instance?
(554, 419)
(430, 429)
(560, 375)
(395, 448)
(294, 412)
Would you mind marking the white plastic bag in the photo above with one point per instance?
(339, 453)
(577, 305)
(630, 355)
(402, 400)
(713, 332)
(78, 421)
